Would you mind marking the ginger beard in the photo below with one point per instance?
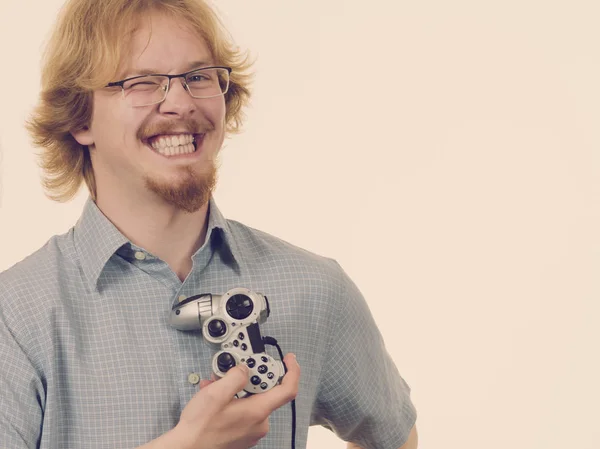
(192, 190)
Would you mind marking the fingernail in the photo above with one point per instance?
(244, 368)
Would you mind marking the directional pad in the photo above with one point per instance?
(239, 306)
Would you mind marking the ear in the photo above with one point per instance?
(83, 136)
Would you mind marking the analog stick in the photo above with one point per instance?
(225, 362)
(216, 328)
(239, 306)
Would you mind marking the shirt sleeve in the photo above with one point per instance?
(361, 395)
(21, 393)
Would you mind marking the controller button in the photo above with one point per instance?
(270, 375)
(250, 363)
(264, 359)
(225, 362)
(216, 328)
(241, 336)
(239, 306)
(236, 343)
(244, 346)
(262, 369)
(255, 380)
(264, 386)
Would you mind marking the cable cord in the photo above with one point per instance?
(272, 342)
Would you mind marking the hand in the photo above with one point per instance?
(215, 419)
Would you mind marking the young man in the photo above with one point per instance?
(137, 99)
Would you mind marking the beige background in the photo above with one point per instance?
(446, 154)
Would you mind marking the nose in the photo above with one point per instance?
(178, 100)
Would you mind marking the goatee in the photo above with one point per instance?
(191, 192)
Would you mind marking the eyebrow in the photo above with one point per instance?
(138, 72)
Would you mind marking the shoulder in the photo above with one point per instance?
(264, 243)
(259, 248)
(32, 278)
(30, 291)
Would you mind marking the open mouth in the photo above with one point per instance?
(170, 145)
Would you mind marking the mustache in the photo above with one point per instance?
(188, 125)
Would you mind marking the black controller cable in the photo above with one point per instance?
(272, 342)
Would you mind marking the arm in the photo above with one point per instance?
(361, 396)
(22, 393)
(411, 443)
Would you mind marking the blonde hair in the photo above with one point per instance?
(85, 52)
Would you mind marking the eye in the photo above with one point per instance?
(198, 77)
(144, 83)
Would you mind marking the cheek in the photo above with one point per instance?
(115, 129)
(215, 112)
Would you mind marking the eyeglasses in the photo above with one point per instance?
(145, 90)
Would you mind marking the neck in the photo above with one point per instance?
(161, 229)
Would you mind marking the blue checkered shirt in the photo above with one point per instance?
(88, 360)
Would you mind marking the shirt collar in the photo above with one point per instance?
(216, 220)
(97, 239)
(223, 238)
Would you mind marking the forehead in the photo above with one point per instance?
(163, 44)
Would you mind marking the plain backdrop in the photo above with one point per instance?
(446, 153)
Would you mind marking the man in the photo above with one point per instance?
(137, 99)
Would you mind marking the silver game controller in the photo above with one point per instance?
(232, 321)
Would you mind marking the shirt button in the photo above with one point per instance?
(139, 255)
(193, 378)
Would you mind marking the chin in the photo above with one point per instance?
(189, 193)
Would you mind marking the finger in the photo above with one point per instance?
(290, 359)
(292, 368)
(205, 383)
(286, 391)
(217, 395)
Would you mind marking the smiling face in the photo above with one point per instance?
(167, 151)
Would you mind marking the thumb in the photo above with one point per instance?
(215, 395)
(205, 383)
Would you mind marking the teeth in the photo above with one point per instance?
(176, 150)
(163, 142)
